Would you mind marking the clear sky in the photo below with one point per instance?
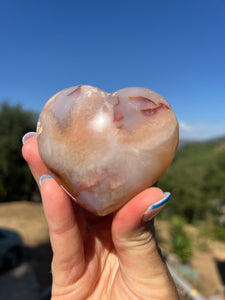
(174, 47)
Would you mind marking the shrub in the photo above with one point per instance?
(181, 244)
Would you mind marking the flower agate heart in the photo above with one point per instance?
(104, 148)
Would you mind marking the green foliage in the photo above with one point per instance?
(217, 233)
(15, 178)
(214, 177)
(195, 178)
(213, 231)
(181, 244)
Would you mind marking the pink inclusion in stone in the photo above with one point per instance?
(103, 148)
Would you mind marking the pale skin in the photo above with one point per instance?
(101, 258)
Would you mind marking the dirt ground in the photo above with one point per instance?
(28, 219)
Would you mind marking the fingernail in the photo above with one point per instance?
(28, 136)
(44, 177)
(155, 208)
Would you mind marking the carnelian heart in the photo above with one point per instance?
(104, 148)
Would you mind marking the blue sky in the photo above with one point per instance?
(174, 47)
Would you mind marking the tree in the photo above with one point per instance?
(16, 182)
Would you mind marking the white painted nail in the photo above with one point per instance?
(28, 136)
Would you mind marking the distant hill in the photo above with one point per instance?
(196, 177)
(186, 142)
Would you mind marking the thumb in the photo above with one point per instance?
(133, 237)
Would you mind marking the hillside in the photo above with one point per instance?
(196, 179)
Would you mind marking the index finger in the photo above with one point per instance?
(63, 221)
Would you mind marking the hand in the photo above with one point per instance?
(113, 257)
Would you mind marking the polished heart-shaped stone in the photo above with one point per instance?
(105, 148)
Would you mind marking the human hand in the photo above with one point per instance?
(112, 257)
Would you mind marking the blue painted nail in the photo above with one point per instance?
(150, 211)
(44, 177)
(28, 136)
(161, 202)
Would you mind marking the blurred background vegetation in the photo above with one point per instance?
(16, 182)
(196, 179)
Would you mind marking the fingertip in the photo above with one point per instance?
(28, 136)
(29, 148)
(49, 188)
(43, 177)
(155, 208)
(129, 217)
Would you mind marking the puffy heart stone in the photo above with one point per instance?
(105, 148)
